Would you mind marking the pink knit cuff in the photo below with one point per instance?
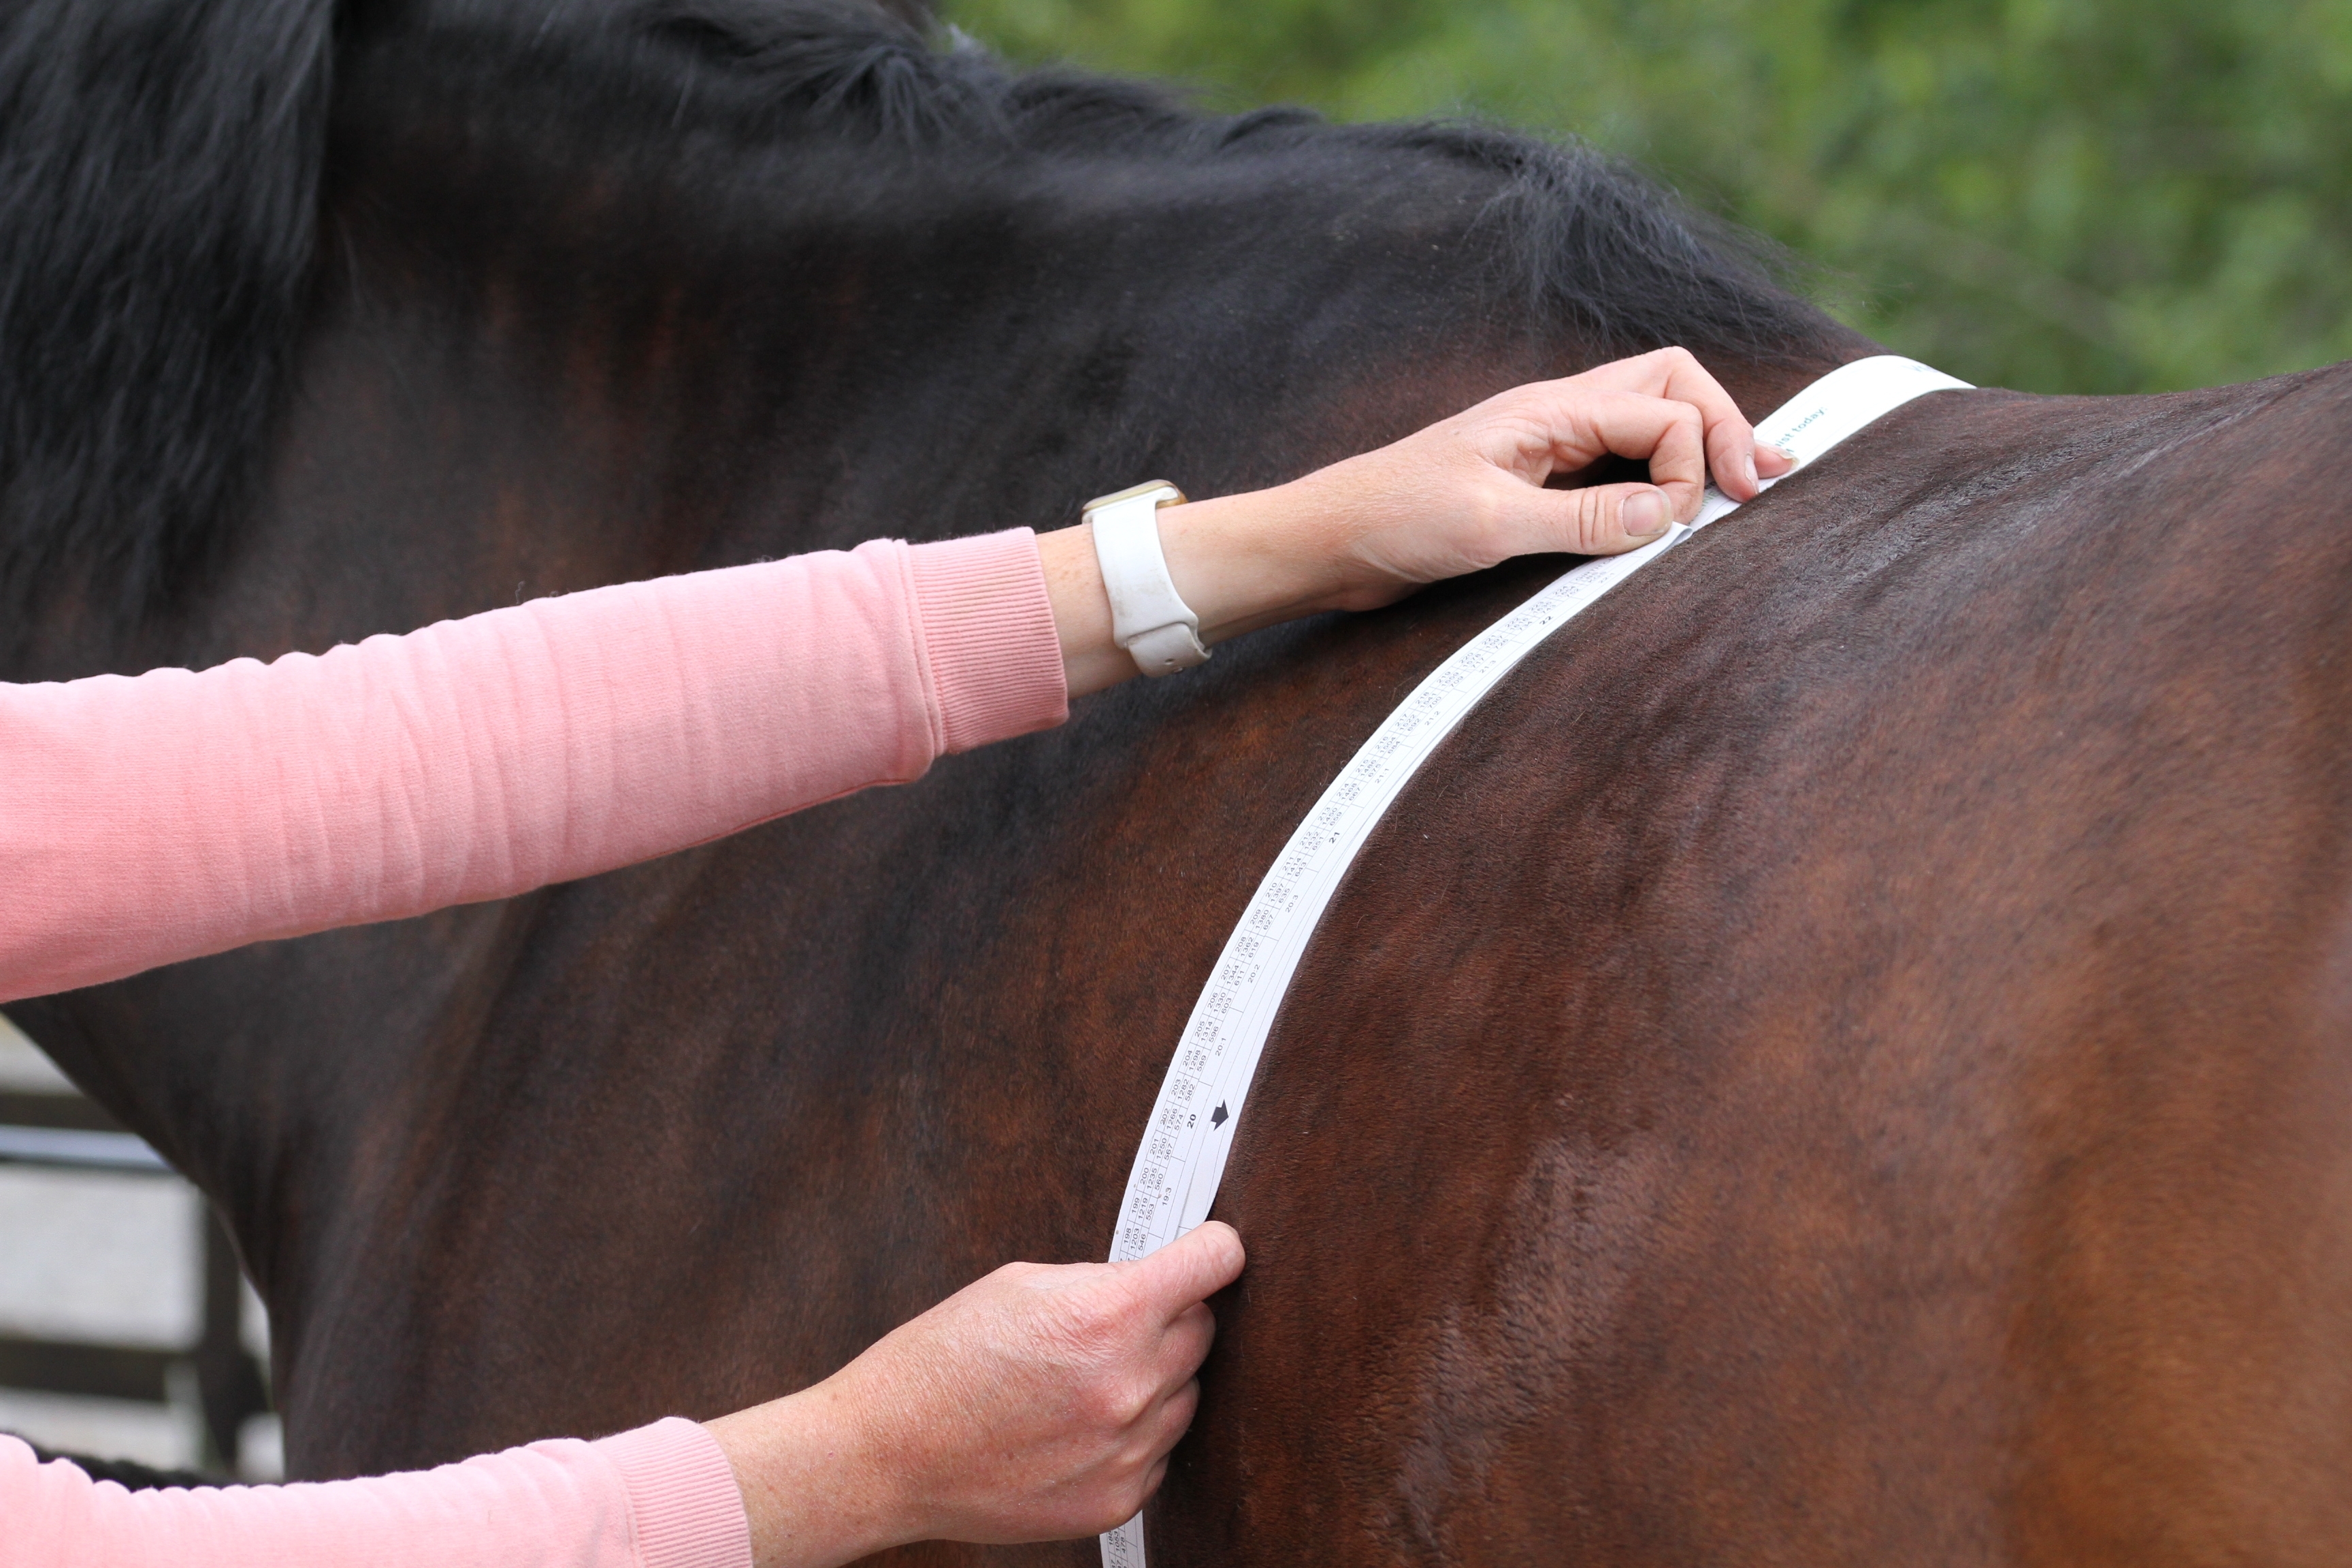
(682, 1496)
(988, 636)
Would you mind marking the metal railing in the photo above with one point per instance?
(67, 1131)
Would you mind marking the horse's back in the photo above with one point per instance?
(1845, 1056)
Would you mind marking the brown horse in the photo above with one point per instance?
(1846, 1056)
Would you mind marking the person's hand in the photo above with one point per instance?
(1038, 1404)
(1470, 491)
(1465, 494)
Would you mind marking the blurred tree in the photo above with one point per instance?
(2065, 196)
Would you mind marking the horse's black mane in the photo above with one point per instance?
(160, 167)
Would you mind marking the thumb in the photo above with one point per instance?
(1605, 520)
(1191, 1269)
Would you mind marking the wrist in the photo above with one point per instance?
(1239, 563)
(815, 1492)
(1243, 561)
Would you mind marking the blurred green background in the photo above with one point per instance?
(2061, 196)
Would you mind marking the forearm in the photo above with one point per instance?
(1493, 482)
(151, 820)
(816, 1493)
(661, 1497)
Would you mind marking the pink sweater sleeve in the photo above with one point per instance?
(660, 1497)
(149, 820)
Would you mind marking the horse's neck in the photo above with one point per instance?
(496, 406)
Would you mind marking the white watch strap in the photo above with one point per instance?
(1148, 618)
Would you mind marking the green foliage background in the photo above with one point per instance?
(2063, 195)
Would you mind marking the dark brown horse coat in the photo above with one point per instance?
(1848, 1056)
(1844, 1058)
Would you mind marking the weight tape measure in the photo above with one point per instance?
(1191, 1131)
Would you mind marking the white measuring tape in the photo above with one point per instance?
(1182, 1159)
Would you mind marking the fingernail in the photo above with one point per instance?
(1782, 453)
(1752, 480)
(1643, 514)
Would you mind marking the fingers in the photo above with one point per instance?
(1731, 442)
(1189, 1270)
(1186, 1345)
(1166, 1424)
(1174, 1416)
(1150, 1488)
(1664, 430)
(1601, 519)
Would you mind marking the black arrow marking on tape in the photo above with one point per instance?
(1217, 1117)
